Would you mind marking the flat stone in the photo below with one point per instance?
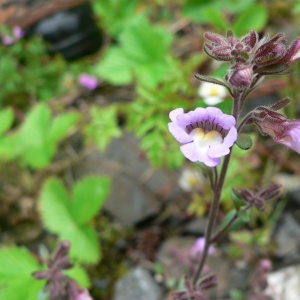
(196, 227)
(138, 284)
(287, 238)
(135, 183)
(284, 284)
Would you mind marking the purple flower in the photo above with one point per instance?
(17, 34)
(199, 247)
(283, 130)
(83, 295)
(88, 81)
(206, 134)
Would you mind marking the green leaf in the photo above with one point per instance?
(236, 294)
(60, 125)
(103, 126)
(236, 200)
(229, 215)
(198, 10)
(115, 13)
(89, 195)
(115, 67)
(141, 54)
(6, 119)
(244, 215)
(80, 275)
(16, 281)
(144, 42)
(39, 135)
(54, 207)
(255, 17)
(69, 219)
(216, 18)
(33, 139)
(84, 242)
(244, 141)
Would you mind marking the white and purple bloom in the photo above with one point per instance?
(88, 81)
(17, 34)
(206, 134)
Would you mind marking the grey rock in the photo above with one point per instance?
(284, 284)
(138, 284)
(287, 238)
(196, 227)
(135, 183)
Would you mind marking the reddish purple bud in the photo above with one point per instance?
(240, 76)
(43, 274)
(62, 250)
(246, 194)
(258, 197)
(270, 191)
(293, 52)
(208, 282)
(216, 38)
(281, 103)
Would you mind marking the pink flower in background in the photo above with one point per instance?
(17, 34)
(88, 81)
(83, 295)
(199, 247)
(206, 134)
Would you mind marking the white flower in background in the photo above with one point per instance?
(191, 180)
(211, 93)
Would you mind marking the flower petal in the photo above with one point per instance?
(179, 133)
(174, 113)
(223, 149)
(190, 151)
(212, 100)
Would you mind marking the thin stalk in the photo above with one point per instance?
(212, 215)
(216, 177)
(224, 229)
(243, 122)
(217, 194)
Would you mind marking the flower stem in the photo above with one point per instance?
(224, 229)
(212, 215)
(217, 193)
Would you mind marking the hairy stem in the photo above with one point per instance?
(218, 186)
(224, 229)
(212, 215)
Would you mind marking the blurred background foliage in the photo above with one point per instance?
(145, 68)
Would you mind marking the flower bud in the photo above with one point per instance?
(62, 250)
(240, 76)
(43, 274)
(208, 282)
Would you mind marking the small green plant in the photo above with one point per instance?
(247, 14)
(16, 282)
(69, 217)
(115, 13)
(102, 126)
(36, 140)
(140, 55)
(17, 265)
